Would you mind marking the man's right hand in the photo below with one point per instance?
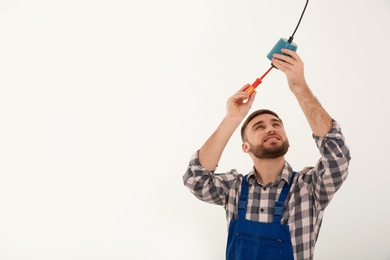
(240, 103)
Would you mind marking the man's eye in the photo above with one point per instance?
(259, 127)
(276, 125)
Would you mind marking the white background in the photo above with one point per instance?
(102, 103)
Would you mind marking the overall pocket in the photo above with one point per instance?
(248, 247)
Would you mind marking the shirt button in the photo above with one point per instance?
(264, 188)
(261, 210)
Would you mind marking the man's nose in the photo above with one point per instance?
(270, 129)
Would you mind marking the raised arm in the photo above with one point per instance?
(319, 120)
(236, 109)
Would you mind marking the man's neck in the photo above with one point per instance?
(267, 170)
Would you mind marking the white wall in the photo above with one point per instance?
(102, 104)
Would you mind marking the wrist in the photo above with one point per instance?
(233, 119)
(299, 87)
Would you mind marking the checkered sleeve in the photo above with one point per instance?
(208, 186)
(332, 169)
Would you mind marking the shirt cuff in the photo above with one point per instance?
(333, 134)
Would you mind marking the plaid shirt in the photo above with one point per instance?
(311, 191)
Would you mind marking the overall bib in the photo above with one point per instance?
(250, 240)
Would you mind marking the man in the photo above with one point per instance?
(273, 212)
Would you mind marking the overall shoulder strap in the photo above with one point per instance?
(279, 205)
(243, 200)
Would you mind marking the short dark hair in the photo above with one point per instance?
(253, 115)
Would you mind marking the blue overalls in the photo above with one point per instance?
(249, 240)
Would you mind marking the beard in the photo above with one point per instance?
(272, 152)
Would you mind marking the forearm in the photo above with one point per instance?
(211, 151)
(292, 65)
(236, 110)
(319, 120)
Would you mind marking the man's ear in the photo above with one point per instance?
(245, 148)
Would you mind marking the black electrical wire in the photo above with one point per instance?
(300, 19)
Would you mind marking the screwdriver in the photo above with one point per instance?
(257, 82)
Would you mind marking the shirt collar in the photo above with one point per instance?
(285, 174)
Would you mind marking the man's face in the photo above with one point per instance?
(265, 137)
